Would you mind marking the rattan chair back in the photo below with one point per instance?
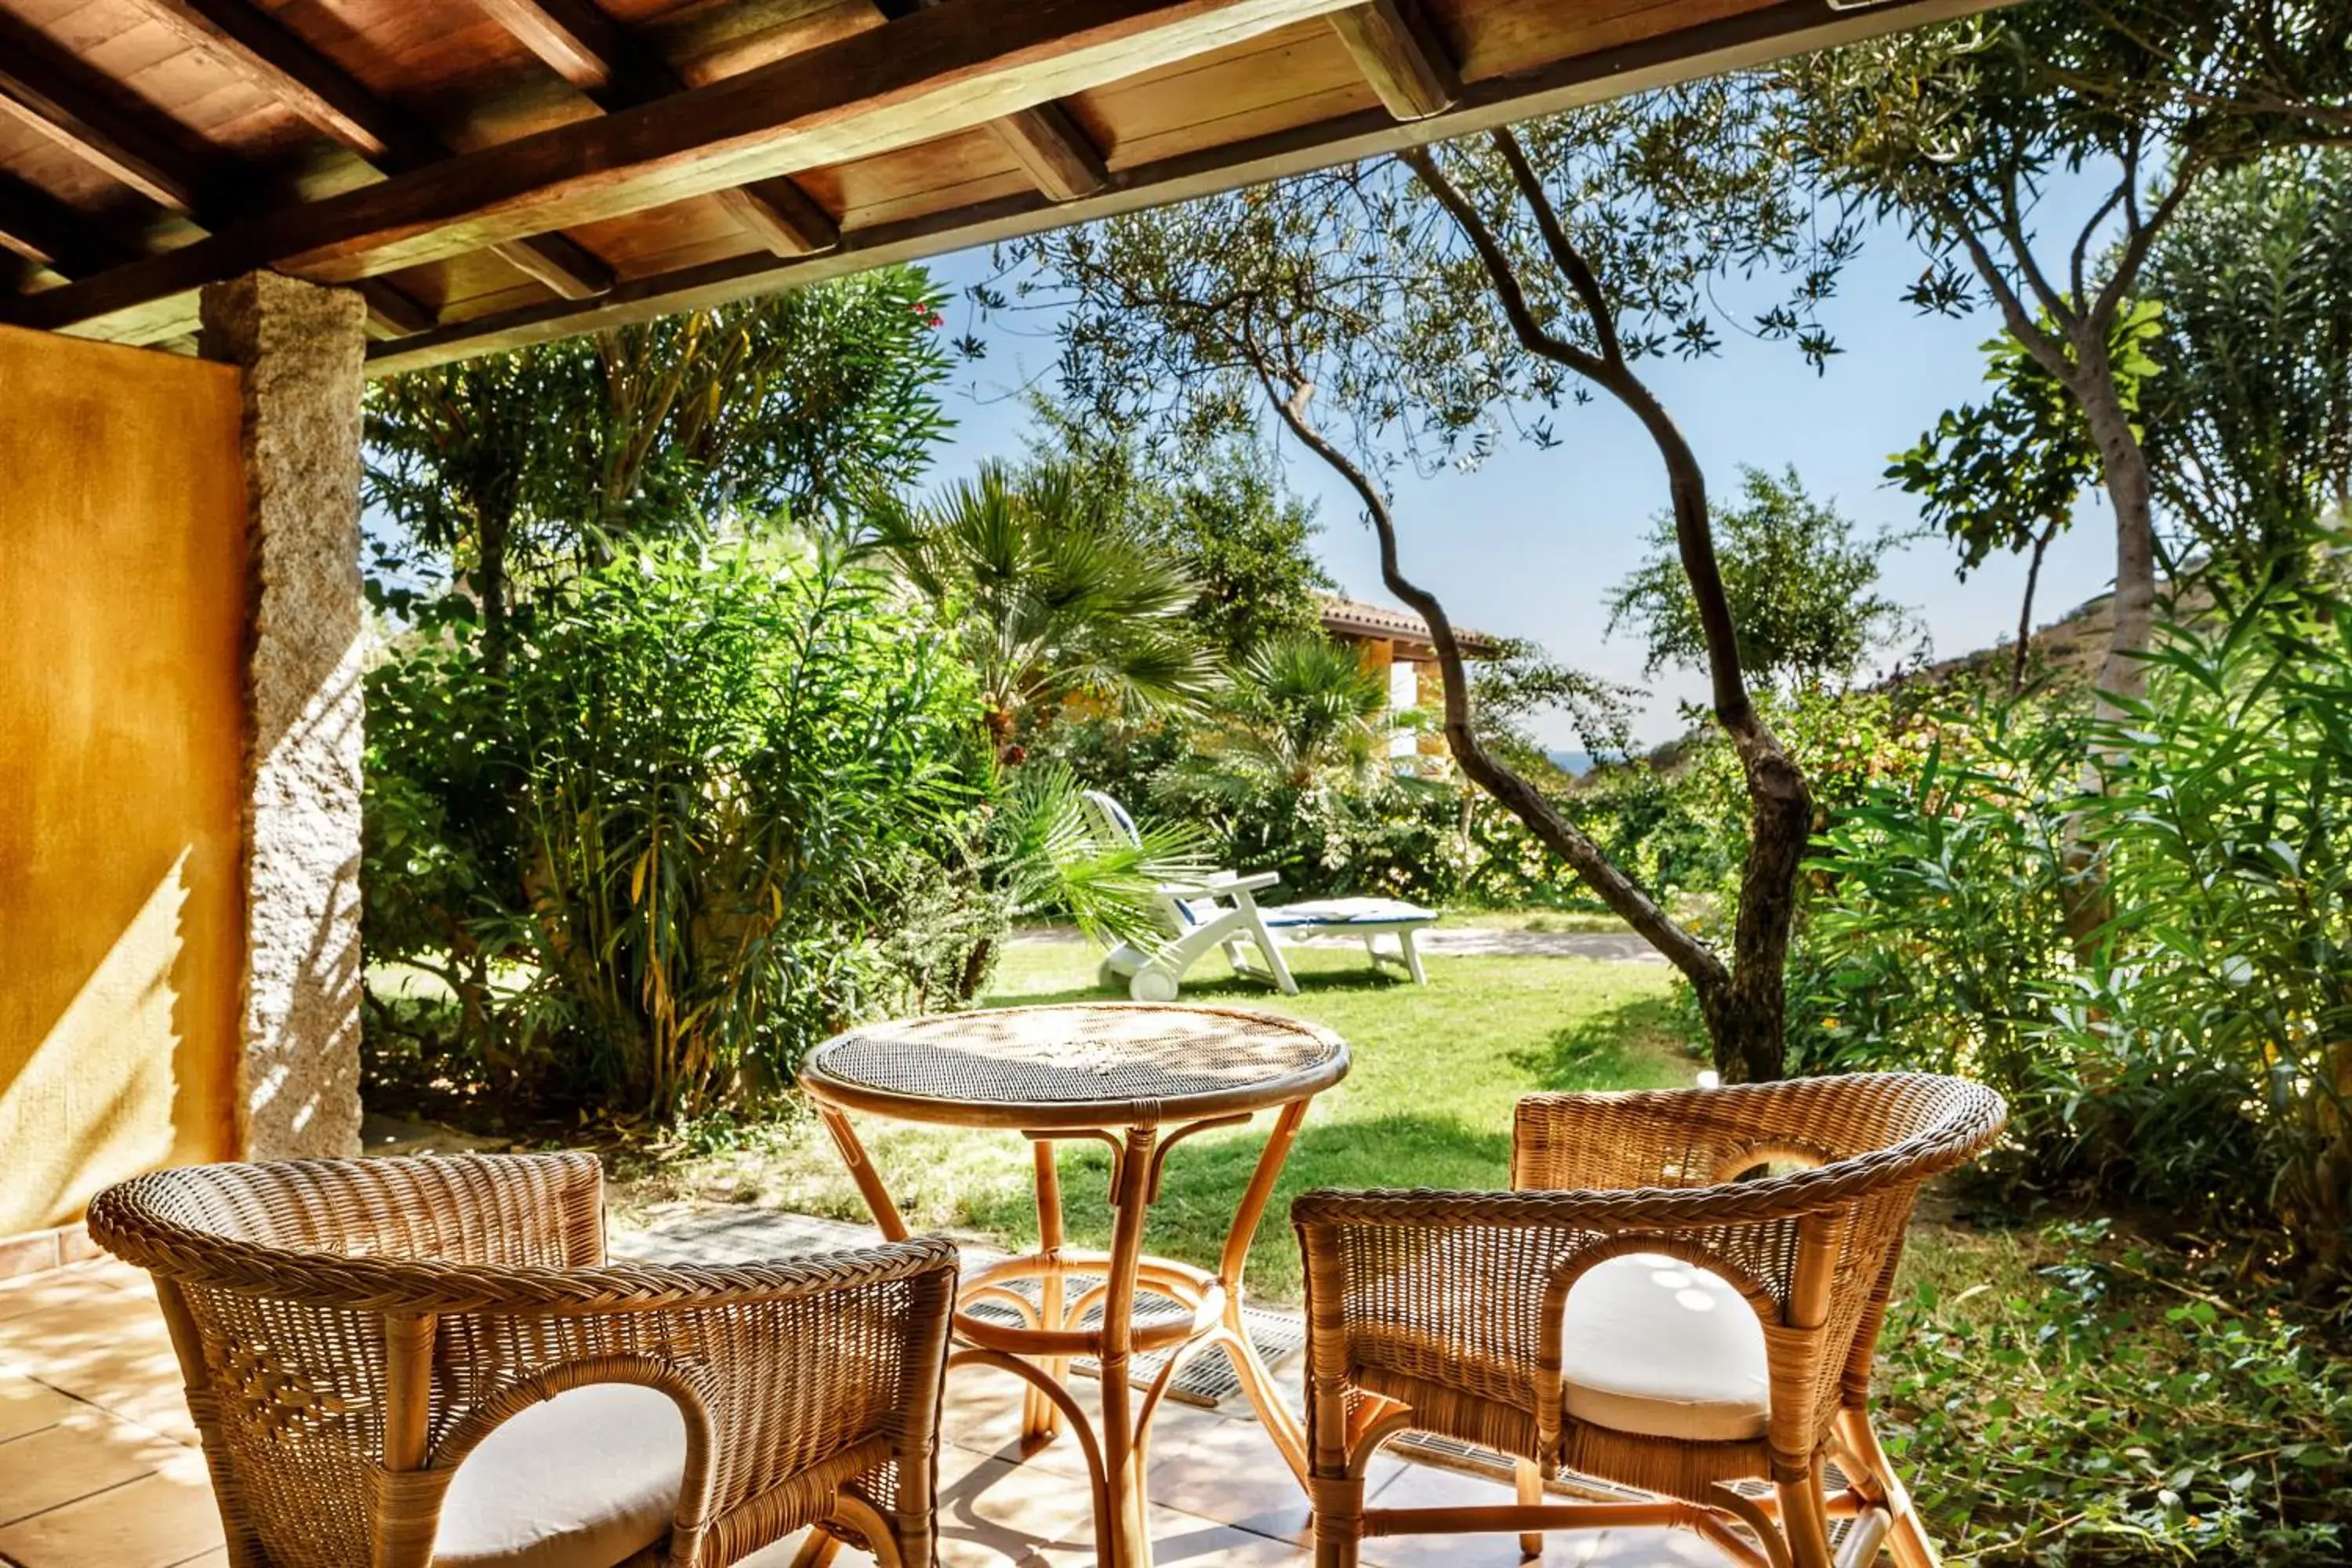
(1447, 1311)
(350, 1331)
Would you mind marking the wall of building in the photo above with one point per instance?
(123, 607)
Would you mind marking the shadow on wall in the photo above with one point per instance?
(122, 612)
(107, 1087)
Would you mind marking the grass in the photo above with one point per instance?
(1428, 1102)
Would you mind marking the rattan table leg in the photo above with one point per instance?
(1126, 1537)
(1039, 1418)
(1289, 1433)
(861, 1170)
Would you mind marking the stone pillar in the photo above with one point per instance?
(300, 347)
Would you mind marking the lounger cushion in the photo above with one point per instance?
(1658, 1348)
(586, 1480)
(1350, 911)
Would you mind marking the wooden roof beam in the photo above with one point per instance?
(44, 230)
(1052, 148)
(46, 88)
(1058, 155)
(938, 71)
(280, 62)
(617, 70)
(1734, 42)
(1402, 56)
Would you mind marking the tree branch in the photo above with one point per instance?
(1697, 962)
(1500, 271)
(1564, 255)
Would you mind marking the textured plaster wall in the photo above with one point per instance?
(122, 600)
(300, 347)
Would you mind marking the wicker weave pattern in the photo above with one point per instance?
(1122, 1063)
(810, 1389)
(1451, 1303)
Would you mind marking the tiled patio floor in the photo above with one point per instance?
(99, 1467)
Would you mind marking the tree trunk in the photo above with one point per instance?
(2025, 610)
(490, 587)
(2122, 464)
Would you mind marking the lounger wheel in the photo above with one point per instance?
(1152, 984)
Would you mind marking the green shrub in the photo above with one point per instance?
(714, 809)
(2187, 1042)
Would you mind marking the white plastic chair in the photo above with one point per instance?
(1221, 910)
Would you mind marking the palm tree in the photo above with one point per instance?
(1052, 591)
(1302, 710)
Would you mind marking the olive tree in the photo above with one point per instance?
(1963, 132)
(1409, 313)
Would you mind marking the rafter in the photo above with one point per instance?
(280, 62)
(44, 87)
(1055, 150)
(617, 70)
(43, 229)
(938, 71)
(1726, 42)
(1400, 55)
(1051, 147)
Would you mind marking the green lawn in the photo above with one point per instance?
(1428, 1102)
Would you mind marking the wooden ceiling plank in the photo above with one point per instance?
(1736, 42)
(280, 61)
(617, 70)
(1055, 150)
(1401, 56)
(56, 94)
(938, 71)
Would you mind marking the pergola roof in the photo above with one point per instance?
(499, 172)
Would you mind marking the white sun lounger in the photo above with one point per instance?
(1221, 910)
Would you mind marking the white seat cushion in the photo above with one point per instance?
(1658, 1348)
(1350, 911)
(582, 1480)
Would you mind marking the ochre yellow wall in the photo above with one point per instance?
(123, 598)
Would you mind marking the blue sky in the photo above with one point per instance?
(1529, 544)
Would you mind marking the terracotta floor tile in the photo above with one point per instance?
(82, 1454)
(992, 1513)
(27, 1406)
(1425, 1486)
(160, 1519)
(58, 1289)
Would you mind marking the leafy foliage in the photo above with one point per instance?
(1223, 516)
(2250, 422)
(706, 787)
(2117, 1409)
(1803, 588)
(523, 467)
(2194, 1055)
(1054, 593)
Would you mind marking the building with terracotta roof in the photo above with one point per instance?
(1396, 644)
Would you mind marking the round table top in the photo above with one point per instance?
(1076, 1066)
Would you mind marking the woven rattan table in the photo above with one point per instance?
(1140, 1079)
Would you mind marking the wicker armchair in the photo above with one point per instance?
(411, 1362)
(1590, 1321)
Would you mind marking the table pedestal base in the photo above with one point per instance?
(1038, 1348)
